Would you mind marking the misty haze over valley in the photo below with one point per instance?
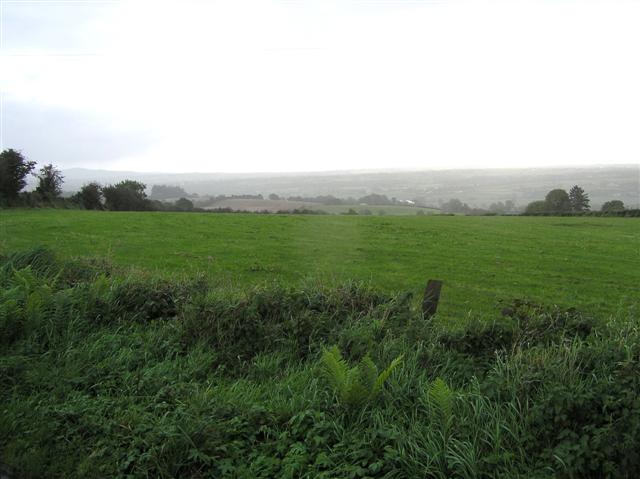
(478, 187)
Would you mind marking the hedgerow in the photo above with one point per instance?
(105, 373)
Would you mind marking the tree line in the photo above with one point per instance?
(127, 195)
(576, 201)
(130, 195)
(454, 205)
(14, 169)
(372, 199)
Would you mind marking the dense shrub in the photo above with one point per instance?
(144, 300)
(270, 319)
(127, 195)
(479, 339)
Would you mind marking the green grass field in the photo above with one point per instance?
(590, 263)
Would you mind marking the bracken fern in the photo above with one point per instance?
(441, 399)
(359, 384)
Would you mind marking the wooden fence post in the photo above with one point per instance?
(431, 297)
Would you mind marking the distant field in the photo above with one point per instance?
(590, 263)
(393, 210)
(280, 205)
(251, 205)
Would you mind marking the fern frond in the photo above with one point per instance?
(441, 399)
(384, 375)
(354, 393)
(368, 373)
(357, 385)
(334, 368)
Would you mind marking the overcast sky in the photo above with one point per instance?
(292, 85)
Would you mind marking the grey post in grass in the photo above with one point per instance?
(431, 297)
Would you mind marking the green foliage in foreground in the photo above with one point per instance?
(105, 375)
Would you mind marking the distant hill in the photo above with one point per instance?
(478, 188)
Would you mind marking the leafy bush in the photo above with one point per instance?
(479, 339)
(591, 426)
(241, 327)
(144, 300)
(526, 324)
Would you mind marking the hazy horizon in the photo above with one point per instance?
(302, 87)
(362, 170)
(477, 187)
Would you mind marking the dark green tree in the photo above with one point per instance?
(128, 195)
(166, 192)
(510, 206)
(558, 201)
(183, 204)
(454, 205)
(498, 207)
(579, 199)
(536, 207)
(49, 182)
(14, 168)
(89, 196)
(612, 206)
(375, 199)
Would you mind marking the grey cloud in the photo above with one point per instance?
(68, 138)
